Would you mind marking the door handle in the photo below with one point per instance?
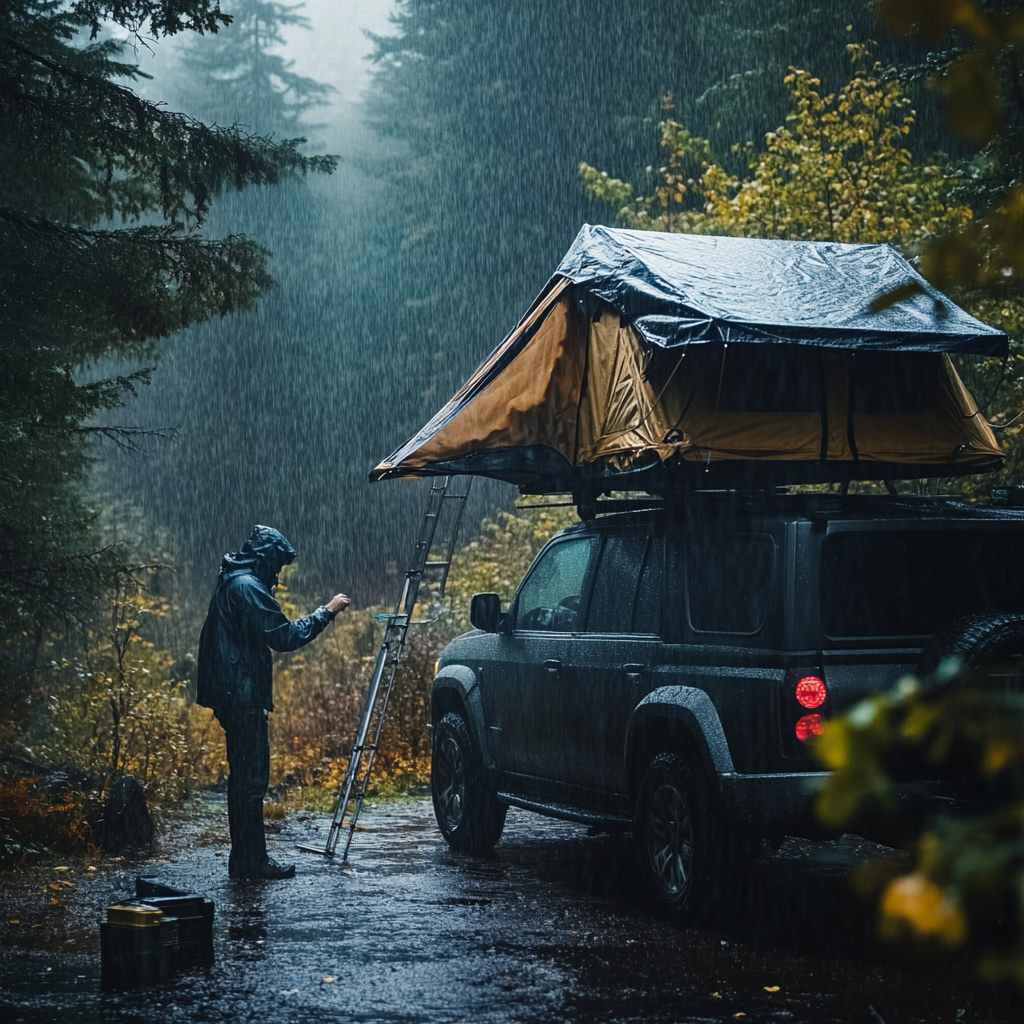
(634, 670)
(552, 665)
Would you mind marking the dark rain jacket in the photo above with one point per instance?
(245, 623)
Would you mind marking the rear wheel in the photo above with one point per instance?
(675, 832)
(983, 653)
(468, 812)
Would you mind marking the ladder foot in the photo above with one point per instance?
(315, 849)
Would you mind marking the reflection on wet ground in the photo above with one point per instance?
(550, 928)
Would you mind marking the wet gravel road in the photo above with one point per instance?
(550, 928)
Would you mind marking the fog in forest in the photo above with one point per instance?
(460, 129)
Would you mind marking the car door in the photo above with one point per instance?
(614, 670)
(545, 627)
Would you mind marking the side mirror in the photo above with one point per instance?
(485, 612)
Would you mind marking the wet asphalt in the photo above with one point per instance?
(552, 927)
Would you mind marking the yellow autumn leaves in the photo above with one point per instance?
(917, 903)
(837, 170)
(122, 706)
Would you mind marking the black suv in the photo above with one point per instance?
(662, 670)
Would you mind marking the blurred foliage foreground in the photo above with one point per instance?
(111, 702)
(967, 886)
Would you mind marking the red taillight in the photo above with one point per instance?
(811, 692)
(809, 725)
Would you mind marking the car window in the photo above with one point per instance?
(728, 581)
(903, 583)
(551, 595)
(618, 571)
(647, 617)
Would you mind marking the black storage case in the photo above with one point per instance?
(137, 957)
(195, 926)
(194, 915)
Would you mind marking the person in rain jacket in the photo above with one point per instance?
(243, 625)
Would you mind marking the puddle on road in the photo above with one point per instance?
(550, 927)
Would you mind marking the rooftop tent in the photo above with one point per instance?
(649, 352)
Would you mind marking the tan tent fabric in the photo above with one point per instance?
(591, 391)
(623, 412)
(533, 401)
(952, 431)
(632, 407)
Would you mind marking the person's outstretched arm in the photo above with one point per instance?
(279, 633)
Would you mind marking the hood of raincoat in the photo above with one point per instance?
(263, 555)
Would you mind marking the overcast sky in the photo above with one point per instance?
(336, 50)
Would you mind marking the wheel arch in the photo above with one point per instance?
(680, 720)
(456, 689)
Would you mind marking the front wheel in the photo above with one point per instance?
(468, 812)
(675, 833)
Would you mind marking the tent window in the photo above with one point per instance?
(551, 595)
(611, 601)
(894, 382)
(766, 379)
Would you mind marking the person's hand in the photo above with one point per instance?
(338, 603)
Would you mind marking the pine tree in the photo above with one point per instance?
(237, 71)
(103, 197)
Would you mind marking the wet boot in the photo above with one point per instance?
(248, 749)
(272, 870)
(269, 871)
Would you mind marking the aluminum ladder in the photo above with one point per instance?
(431, 562)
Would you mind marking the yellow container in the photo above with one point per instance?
(134, 915)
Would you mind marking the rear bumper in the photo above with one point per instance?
(767, 800)
(763, 800)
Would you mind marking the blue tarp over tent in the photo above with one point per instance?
(679, 289)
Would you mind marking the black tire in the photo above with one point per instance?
(975, 641)
(678, 836)
(990, 653)
(468, 812)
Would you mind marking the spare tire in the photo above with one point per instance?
(978, 640)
